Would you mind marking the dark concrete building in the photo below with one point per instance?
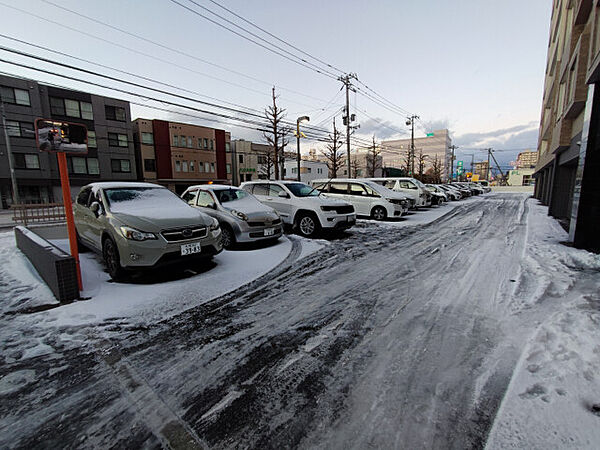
(569, 141)
(111, 153)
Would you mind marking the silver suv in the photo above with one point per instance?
(302, 206)
(139, 225)
(241, 216)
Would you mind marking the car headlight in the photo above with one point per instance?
(328, 208)
(136, 235)
(239, 214)
(214, 225)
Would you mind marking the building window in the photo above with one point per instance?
(212, 167)
(294, 170)
(262, 159)
(26, 161)
(177, 166)
(79, 165)
(147, 138)
(20, 129)
(199, 142)
(192, 164)
(117, 140)
(228, 168)
(71, 108)
(120, 165)
(184, 166)
(115, 113)
(207, 167)
(190, 144)
(175, 141)
(227, 147)
(212, 144)
(15, 96)
(93, 167)
(205, 143)
(241, 159)
(92, 139)
(150, 165)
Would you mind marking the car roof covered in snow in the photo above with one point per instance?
(122, 184)
(212, 186)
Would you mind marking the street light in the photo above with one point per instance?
(298, 136)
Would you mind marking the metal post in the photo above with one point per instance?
(298, 147)
(487, 170)
(347, 83)
(11, 163)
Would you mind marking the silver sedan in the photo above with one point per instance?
(241, 216)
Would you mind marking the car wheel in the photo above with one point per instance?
(379, 213)
(227, 237)
(110, 252)
(307, 225)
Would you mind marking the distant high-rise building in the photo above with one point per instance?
(527, 160)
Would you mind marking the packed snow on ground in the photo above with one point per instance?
(553, 400)
(21, 287)
(155, 301)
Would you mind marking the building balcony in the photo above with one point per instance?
(561, 135)
(577, 92)
(582, 11)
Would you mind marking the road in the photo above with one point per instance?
(391, 337)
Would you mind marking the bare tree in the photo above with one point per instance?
(436, 170)
(334, 154)
(266, 163)
(276, 134)
(373, 159)
(421, 163)
(354, 167)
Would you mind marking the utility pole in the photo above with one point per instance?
(487, 170)
(497, 165)
(411, 122)
(453, 148)
(348, 118)
(11, 163)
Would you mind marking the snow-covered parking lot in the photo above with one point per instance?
(458, 326)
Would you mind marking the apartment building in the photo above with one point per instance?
(527, 160)
(309, 170)
(436, 147)
(179, 155)
(110, 140)
(481, 168)
(568, 145)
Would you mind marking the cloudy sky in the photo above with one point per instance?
(475, 67)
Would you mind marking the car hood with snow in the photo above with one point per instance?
(251, 207)
(154, 216)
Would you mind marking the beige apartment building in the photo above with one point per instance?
(395, 152)
(568, 146)
(178, 155)
(527, 160)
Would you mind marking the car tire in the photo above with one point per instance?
(110, 252)
(81, 247)
(379, 213)
(307, 225)
(227, 237)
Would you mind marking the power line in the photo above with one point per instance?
(298, 61)
(275, 37)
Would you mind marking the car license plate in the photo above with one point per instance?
(188, 249)
(269, 231)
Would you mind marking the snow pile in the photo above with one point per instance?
(21, 287)
(553, 399)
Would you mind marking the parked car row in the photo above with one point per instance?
(142, 225)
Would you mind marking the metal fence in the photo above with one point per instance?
(38, 213)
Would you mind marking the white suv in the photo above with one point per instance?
(410, 187)
(302, 206)
(369, 198)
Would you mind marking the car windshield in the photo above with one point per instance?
(230, 195)
(302, 190)
(122, 198)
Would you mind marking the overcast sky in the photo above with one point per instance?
(473, 66)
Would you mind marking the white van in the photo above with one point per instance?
(369, 198)
(411, 187)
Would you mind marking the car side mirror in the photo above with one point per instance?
(283, 194)
(95, 208)
(213, 206)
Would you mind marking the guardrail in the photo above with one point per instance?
(38, 213)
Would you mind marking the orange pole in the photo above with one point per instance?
(68, 204)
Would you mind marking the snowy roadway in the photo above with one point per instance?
(391, 337)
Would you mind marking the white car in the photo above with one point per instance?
(411, 187)
(302, 206)
(369, 198)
